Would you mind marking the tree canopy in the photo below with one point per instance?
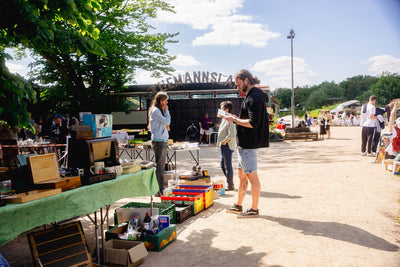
(386, 87)
(34, 25)
(81, 80)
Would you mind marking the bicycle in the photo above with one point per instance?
(192, 133)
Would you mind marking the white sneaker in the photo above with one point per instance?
(363, 153)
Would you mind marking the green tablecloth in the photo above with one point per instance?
(18, 218)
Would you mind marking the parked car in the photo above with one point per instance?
(348, 106)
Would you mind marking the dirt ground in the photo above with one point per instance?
(321, 204)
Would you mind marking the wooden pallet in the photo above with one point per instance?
(301, 136)
(298, 129)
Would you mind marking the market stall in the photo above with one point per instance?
(18, 218)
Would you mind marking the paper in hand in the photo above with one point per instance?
(222, 113)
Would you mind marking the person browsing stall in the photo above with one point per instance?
(252, 132)
(205, 123)
(159, 120)
(226, 141)
(58, 131)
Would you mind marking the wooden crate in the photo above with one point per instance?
(301, 136)
(45, 173)
(63, 245)
(31, 195)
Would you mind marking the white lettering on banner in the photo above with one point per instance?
(198, 77)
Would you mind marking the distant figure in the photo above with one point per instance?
(205, 123)
(368, 127)
(58, 131)
(344, 118)
(322, 124)
(328, 122)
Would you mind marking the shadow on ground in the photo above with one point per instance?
(334, 230)
(199, 242)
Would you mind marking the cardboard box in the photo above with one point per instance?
(84, 135)
(80, 128)
(100, 124)
(124, 253)
(45, 173)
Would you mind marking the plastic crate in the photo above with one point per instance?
(182, 198)
(163, 209)
(207, 191)
(183, 212)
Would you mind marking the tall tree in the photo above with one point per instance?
(387, 88)
(82, 81)
(35, 25)
(284, 96)
(356, 86)
(319, 96)
(301, 95)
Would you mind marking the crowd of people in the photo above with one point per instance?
(250, 129)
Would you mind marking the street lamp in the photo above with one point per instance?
(291, 36)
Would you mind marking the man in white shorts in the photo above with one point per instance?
(205, 122)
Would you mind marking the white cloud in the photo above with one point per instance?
(18, 68)
(383, 63)
(278, 71)
(144, 77)
(234, 31)
(199, 14)
(185, 60)
(219, 16)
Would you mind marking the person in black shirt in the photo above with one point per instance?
(252, 132)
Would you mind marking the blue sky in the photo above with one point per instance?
(334, 40)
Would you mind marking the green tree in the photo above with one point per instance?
(320, 94)
(35, 25)
(356, 86)
(284, 96)
(301, 95)
(82, 81)
(387, 88)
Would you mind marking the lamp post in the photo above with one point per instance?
(291, 36)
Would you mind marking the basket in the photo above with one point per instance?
(163, 209)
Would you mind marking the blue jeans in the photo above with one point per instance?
(226, 164)
(160, 153)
